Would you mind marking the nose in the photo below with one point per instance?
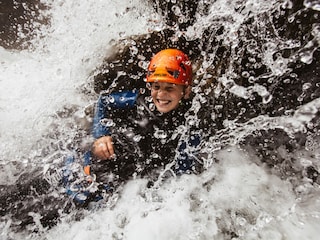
(161, 91)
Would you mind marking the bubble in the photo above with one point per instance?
(134, 50)
(160, 134)
(291, 19)
(142, 90)
(301, 97)
(207, 91)
(306, 57)
(251, 79)
(252, 48)
(310, 144)
(287, 80)
(110, 99)
(305, 162)
(148, 99)
(267, 98)
(241, 221)
(137, 138)
(245, 74)
(155, 155)
(107, 122)
(306, 86)
(252, 60)
(143, 64)
(152, 107)
(213, 116)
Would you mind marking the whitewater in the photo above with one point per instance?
(237, 197)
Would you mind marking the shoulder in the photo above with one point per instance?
(123, 99)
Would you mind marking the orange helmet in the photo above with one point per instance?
(172, 66)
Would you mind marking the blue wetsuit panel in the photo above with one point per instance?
(118, 100)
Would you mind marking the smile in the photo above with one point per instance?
(163, 102)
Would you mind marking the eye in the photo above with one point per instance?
(155, 87)
(169, 89)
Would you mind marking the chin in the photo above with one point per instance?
(163, 110)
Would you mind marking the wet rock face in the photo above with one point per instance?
(19, 21)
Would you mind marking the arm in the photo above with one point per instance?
(103, 145)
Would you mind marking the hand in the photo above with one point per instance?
(103, 148)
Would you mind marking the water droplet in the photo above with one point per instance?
(287, 80)
(305, 162)
(241, 221)
(309, 145)
(306, 57)
(160, 134)
(207, 91)
(245, 74)
(251, 79)
(293, 75)
(134, 50)
(291, 19)
(142, 90)
(152, 107)
(107, 122)
(137, 138)
(110, 99)
(267, 98)
(301, 97)
(306, 86)
(143, 64)
(154, 155)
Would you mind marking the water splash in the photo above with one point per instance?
(238, 197)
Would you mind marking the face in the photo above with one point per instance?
(166, 96)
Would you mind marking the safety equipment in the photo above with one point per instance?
(172, 66)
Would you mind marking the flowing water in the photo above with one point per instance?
(262, 164)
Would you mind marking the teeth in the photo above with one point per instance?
(163, 101)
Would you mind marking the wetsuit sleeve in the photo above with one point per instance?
(187, 159)
(106, 103)
(99, 129)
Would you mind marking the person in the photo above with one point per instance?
(143, 131)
